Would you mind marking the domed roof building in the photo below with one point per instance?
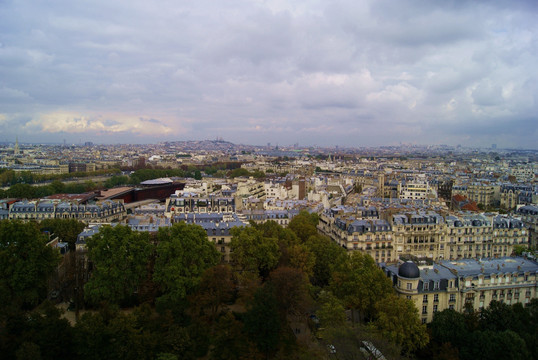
(409, 270)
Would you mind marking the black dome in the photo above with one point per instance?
(409, 270)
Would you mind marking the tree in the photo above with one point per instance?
(331, 312)
(326, 254)
(253, 252)
(109, 334)
(50, 332)
(119, 258)
(360, 284)
(496, 345)
(116, 181)
(26, 262)
(304, 225)
(448, 326)
(300, 257)
(519, 249)
(262, 321)
(21, 191)
(216, 288)
(290, 287)
(497, 317)
(66, 229)
(183, 254)
(398, 321)
(238, 172)
(228, 342)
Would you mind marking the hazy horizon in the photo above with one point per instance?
(346, 73)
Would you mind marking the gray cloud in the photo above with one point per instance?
(341, 72)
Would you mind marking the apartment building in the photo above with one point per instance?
(483, 193)
(101, 212)
(192, 203)
(512, 195)
(465, 283)
(529, 216)
(424, 234)
(417, 189)
(359, 230)
(420, 234)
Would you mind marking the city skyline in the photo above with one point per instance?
(344, 73)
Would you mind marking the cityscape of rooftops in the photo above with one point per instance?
(269, 179)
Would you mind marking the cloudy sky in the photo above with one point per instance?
(315, 72)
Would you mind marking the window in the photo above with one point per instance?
(436, 297)
(452, 297)
(434, 308)
(426, 285)
(425, 298)
(424, 310)
(409, 286)
(451, 307)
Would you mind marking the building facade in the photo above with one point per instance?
(464, 284)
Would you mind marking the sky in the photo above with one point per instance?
(337, 72)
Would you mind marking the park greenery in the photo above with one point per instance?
(10, 177)
(31, 186)
(169, 296)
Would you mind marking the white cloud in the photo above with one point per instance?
(204, 68)
(76, 123)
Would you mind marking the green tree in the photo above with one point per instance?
(331, 312)
(25, 191)
(300, 257)
(216, 287)
(519, 249)
(229, 340)
(398, 321)
(327, 255)
(116, 181)
(262, 321)
(66, 229)
(183, 254)
(448, 326)
(57, 187)
(304, 225)
(110, 334)
(239, 172)
(253, 252)
(497, 317)
(290, 287)
(496, 345)
(120, 258)
(360, 284)
(26, 262)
